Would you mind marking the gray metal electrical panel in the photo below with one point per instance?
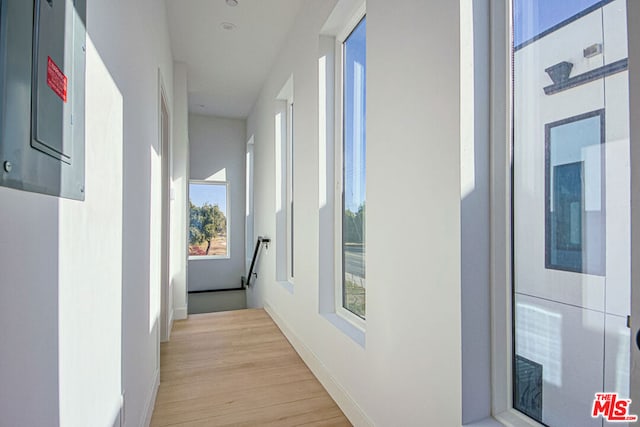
(42, 96)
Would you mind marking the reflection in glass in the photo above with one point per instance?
(575, 219)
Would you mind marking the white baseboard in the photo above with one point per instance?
(151, 401)
(170, 328)
(351, 409)
(180, 313)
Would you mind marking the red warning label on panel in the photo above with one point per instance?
(56, 79)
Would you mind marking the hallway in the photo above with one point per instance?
(236, 368)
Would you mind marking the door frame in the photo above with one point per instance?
(164, 143)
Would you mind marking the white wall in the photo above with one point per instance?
(218, 146)
(79, 310)
(90, 265)
(180, 188)
(134, 42)
(409, 370)
(29, 297)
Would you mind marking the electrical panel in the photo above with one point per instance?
(42, 96)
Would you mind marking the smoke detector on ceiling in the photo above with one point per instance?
(232, 3)
(227, 26)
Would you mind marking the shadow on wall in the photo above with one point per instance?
(475, 214)
(29, 370)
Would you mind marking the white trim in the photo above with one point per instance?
(208, 257)
(207, 181)
(501, 282)
(227, 185)
(151, 400)
(289, 199)
(284, 108)
(510, 418)
(487, 422)
(180, 313)
(347, 404)
(166, 162)
(338, 170)
(354, 320)
(633, 21)
(501, 325)
(513, 418)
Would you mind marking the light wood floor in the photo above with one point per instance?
(236, 368)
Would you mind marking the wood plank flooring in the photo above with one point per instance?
(236, 368)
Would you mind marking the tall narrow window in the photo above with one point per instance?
(284, 150)
(354, 171)
(571, 203)
(290, 217)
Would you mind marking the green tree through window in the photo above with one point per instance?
(207, 219)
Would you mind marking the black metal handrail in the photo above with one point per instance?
(256, 253)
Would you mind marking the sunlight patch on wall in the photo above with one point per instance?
(90, 262)
(155, 222)
(467, 103)
(278, 141)
(322, 129)
(221, 175)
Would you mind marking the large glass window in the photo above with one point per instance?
(571, 208)
(354, 171)
(208, 223)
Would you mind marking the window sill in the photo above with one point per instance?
(348, 328)
(510, 418)
(202, 258)
(513, 418)
(286, 285)
(487, 422)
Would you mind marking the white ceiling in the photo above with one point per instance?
(228, 68)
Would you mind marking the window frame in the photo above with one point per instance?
(346, 30)
(502, 219)
(227, 214)
(501, 235)
(289, 199)
(283, 107)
